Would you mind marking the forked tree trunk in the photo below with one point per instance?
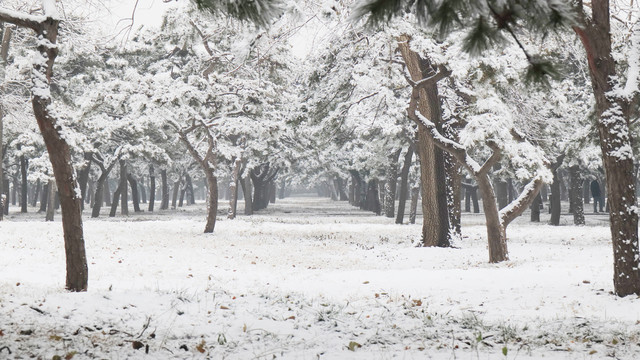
(435, 212)
(404, 184)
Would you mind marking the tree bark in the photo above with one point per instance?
(555, 205)
(152, 188)
(575, 190)
(615, 142)
(116, 199)
(135, 198)
(535, 209)
(51, 199)
(124, 189)
(248, 200)
(83, 177)
(435, 212)
(36, 193)
(164, 205)
(212, 201)
(24, 164)
(176, 190)
(44, 198)
(404, 182)
(391, 184)
(233, 204)
(415, 193)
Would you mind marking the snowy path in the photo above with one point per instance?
(308, 279)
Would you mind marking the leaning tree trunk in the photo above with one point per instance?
(59, 152)
(496, 233)
(575, 186)
(116, 198)
(614, 113)
(435, 212)
(404, 182)
(135, 196)
(212, 200)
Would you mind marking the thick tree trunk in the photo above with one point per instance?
(135, 198)
(575, 190)
(164, 205)
(404, 184)
(496, 233)
(51, 199)
(616, 145)
(152, 188)
(435, 212)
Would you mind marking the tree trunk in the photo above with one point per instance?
(164, 205)
(135, 198)
(176, 190)
(143, 190)
(615, 142)
(496, 233)
(272, 192)
(36, 193)
(246, 191)
(212, 201)
(454, 186)
(391, 184)
(555, 205)
(535, 209)
(24, 164)
(152, 188)
(586, 194)
(83, 178)
(575, 190)
(106, 193)
(116, 198)
(51, 199)
(191, 197)
(435, 212)
(44, 198)
(404, 182)
(415, 193)
(233, 204)
(124, 191)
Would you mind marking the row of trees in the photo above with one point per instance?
(213, 98)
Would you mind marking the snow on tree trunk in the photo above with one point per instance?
(613, 110)
(435, 212)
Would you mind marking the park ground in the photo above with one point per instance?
(310, 278)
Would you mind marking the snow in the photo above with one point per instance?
(305, 279)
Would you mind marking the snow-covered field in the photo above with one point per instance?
(310, 279)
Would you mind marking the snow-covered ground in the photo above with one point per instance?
(311, 279)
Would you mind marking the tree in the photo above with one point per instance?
(46, 31)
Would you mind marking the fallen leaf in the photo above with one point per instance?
(200, 347)
(70, 355)
(353, 346)
(224, 307)
(137, 345)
